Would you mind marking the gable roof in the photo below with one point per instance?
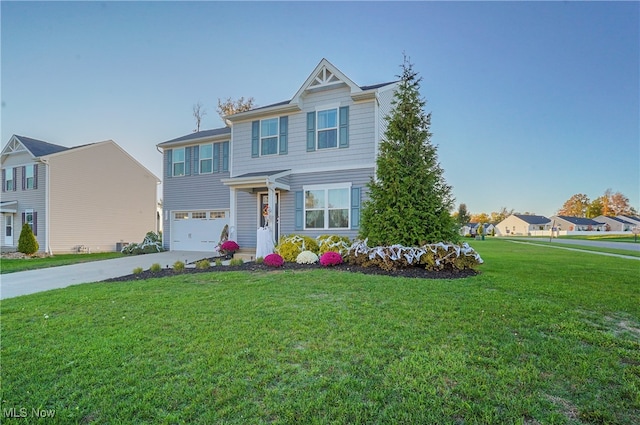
(533, 219)
(324, 76)
(35, 147)
(581, 221)
(205, 134)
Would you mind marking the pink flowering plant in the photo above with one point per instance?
(273, 260)
(330, 258)
(229, 246)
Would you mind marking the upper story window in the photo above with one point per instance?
(9, 179)
(29, 176)
(206, 159)
(178, 162)
(269, 136)
(328, 129)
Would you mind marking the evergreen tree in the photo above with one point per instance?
(463, 217)
(27, 243)
(409, 201)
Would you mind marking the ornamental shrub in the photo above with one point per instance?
(27, 243)
(236, 262)
(203, 264)
(151, 243)
(178, 266)
(137, 270)
(155, 268)
(290, 246)
(438, 256)
(306, 257)
(333, 243)
(273, 260)
(330, 258)
(229, 246)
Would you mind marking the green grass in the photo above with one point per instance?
(605, 237)
(541, 336)
(558, 243)
(18, 265)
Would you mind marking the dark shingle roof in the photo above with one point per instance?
(581, 221)
(200, 135)
(286, 102)
(533, 219)
(38, 147)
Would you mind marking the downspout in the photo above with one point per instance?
(47, 207)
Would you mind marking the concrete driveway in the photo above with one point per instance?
(32, 281)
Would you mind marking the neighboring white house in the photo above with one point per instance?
(522, 225)
(94, 196)
(472, 229)
(298, 166)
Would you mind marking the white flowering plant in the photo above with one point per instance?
(306, 257)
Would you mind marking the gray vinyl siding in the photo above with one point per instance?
(247, 204)
(360, 153)
(189, 193)
(247, 218)
(34, 199)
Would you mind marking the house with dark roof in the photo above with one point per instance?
(94, 196)
(522, 225)
(577, 224)
(615, 224)
(296, 166)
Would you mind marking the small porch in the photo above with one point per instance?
(255, 211)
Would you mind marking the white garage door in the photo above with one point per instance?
(197, 230)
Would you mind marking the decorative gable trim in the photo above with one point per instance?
(325, 76)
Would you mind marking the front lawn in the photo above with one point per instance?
(541, 336)
(10, 265)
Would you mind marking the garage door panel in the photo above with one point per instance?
(196, 234)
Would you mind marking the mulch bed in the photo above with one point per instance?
(412, 272)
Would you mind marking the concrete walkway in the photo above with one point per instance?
(32, 281)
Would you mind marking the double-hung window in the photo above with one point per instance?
(9, 180)
(178, 162)
(269, 136)
(206, 159)
(327, 129)
(28, 219)
(30, 181)
(327, 207)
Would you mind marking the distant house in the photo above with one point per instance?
(615, 224)
(94, 196)
(563, 222)
(522, 225)
(472, 229)
(631, 219)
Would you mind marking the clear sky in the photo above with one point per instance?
(531, 102)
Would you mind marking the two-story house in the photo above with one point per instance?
(95, 196)
(298, 166)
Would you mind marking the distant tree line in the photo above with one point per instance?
(609, 204)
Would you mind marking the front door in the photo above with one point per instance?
(8, 229)
(264, 206)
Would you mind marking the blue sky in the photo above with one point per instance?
(531, 102)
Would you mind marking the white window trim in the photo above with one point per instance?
(7, 179)
(277, 136)
(26, 176)
(326, 188)
(174, 162)
(200, 158)
(327, 107)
